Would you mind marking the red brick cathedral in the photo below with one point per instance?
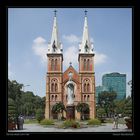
(56, 79)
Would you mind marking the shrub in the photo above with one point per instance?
(47, 122)
(39, 115)
(94, 122)
(71, 123)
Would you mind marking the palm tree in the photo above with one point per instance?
(83, 108)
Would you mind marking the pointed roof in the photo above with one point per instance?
(75, 76)
(86, 46)
(55, 46)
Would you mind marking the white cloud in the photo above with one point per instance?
(72, 38)
(71, 55)
(40, 48)
(39, 40)
(100, 58)
(92, 40)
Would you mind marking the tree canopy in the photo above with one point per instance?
(26, 103)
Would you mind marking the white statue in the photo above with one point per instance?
(70, 89)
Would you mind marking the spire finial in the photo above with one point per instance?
(55, 12)
(86, 12)
(70, 64)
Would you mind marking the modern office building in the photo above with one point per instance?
(99, 89)
(115, 82)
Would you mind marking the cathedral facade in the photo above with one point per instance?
(56, 79)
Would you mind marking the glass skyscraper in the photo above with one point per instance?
(98, 90)
(115, 82)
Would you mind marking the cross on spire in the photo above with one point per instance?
(55, 12)
(86, 12)
(70, 64)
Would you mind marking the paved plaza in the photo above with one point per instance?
(107, 127)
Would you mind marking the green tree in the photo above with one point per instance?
(83, 108)
(128, 107)
(39, 115)
(100, 112)
(106, 101)
(25, 102)
(12, 114)
(119, 106)
(14, 92)
(58, 108)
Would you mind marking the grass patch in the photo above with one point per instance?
(30, 121)
(109, 120)
(47, 122)
(94, 122)
(70, 123)
(120, 120)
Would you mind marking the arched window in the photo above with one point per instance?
(54, 46)
(56, 87)
(84, 97)
(84, 87)
(88, 87)
(88, 64)
(52, 87)
(52, 97)
(55, 64)
(55, 97)
(52, 64)
(84, 64)
(88, 98)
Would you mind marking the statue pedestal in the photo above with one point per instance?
(70, 112)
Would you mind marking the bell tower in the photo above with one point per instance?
(54, 71)
(86, 70)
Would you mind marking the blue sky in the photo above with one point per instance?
(30, 29)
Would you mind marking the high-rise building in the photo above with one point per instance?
(99, 89)
(115, 82)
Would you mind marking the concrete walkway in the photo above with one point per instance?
(103, 128)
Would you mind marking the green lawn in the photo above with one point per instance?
(120, 121)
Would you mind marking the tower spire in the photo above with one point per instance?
(55, 46)
(85, 46)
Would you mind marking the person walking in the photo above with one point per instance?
(20, 122)
(115, 122)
